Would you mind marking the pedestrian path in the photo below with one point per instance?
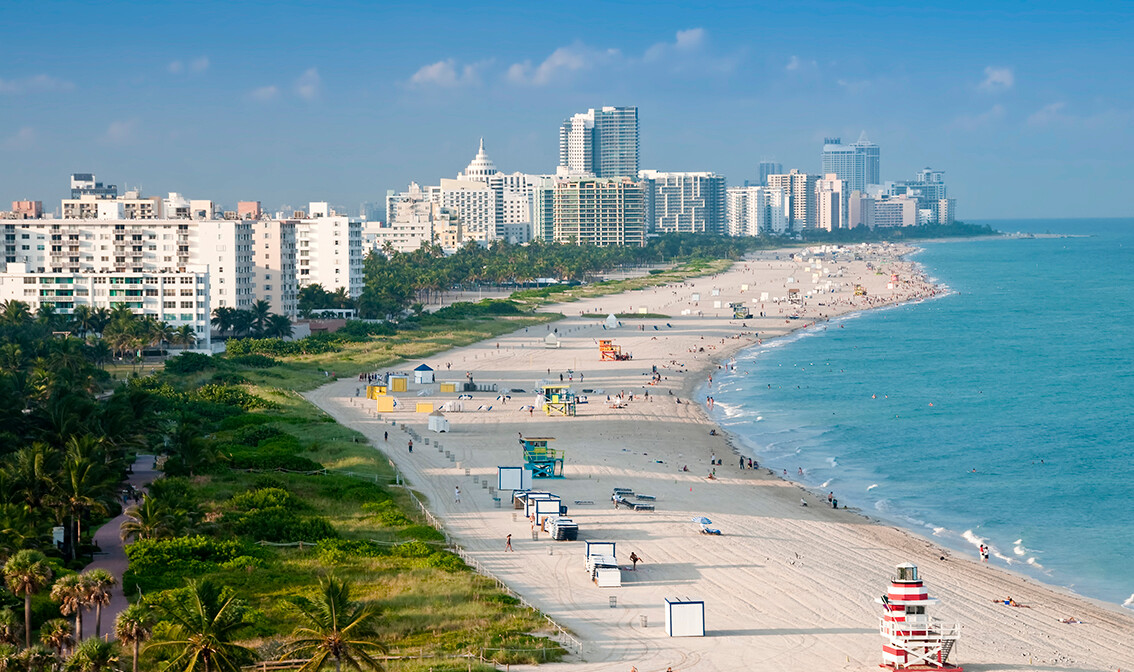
(113, 555)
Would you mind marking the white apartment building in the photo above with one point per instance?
(592, 211)
(684, 202)
(895, 211)
(831, 202)
(140, 246)
(275, 277)
(329, 253)
(757, 211)
(602, 142)
(179, 297)
(801, 188)
(474, 203)
(512, 194)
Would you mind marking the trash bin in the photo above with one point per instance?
(613, 601)
(642, 620)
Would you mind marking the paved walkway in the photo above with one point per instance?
(113, 555)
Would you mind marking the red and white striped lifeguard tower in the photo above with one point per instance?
(914, 641)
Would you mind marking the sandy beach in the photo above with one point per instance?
(786, 587)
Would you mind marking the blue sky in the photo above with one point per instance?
(1027, 106)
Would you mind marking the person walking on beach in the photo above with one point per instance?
(634, 559)
(411, 445)
(385, 436)
(457, 494)
(508, 544)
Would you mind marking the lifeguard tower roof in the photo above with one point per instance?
(538, 438)
(424, 367)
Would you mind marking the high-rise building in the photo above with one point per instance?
(591, 211)
(857, 163)
(684, 202)
(84, 184)
(757, 211)
(860, 210)
(275, 277)
(329, 251)
(831, 203)
(602, 142)
(895, 211)
(801, 188)
(766, 168)
(928, 187)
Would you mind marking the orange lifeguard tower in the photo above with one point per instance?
(914, 641)
(609, 352)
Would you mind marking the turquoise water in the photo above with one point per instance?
(1023, 372)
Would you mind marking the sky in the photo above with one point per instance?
(1028, 107)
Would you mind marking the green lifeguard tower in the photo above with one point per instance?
(543, 461)
(558, 399)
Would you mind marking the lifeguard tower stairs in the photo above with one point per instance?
(543, 462)
(609, 352)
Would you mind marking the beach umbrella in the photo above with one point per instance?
(701, 520)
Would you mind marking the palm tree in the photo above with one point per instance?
(241, 322)
(68, 592)
(57, 634)
(158, 332)
(83, 486)
(94, 655)
(9, 658)
(260, 311)
(147, 520)
(222, 319)
(99, 319)
(10, 629)
(279, 327)
(184, 336)
(81, 319)
(205, 622)
(15, 312)
(38, 659)
(27, 573)
(133, 627)
(336, 628)
(97, 587)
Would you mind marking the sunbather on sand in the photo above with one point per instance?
(1012, 603)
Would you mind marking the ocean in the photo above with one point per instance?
(999, 413)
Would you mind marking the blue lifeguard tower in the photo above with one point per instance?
(544, 462)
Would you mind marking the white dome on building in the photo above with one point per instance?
(481, 167)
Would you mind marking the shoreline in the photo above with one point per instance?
(801, 614)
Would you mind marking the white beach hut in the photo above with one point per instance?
(611, 321)
(423, 375)
(684, 618)
(551, 341)
(438, 422)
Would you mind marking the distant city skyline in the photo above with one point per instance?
(1024, 105)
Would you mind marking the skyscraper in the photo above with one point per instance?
(601, 142)
(765, 169)
(801, 188)
(684, 202)
(857, 163)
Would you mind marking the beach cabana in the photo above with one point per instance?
(684, 618)
(611, 321)
(551, 341)
(438, 422)
(513, 478)
(423, 375)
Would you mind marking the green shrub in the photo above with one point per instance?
(253, 435)
(338, 551)
(188, 362)
(242, 562)
(223, 378)
(157, 564)
(246, 420)
(254, 361)
(387, 513)
(412, 549)
(423, 532)
(280, 525)
(230, 396)
(446, 561)
(264, 498)
(257, 460)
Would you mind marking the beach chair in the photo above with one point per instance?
(638, 506)
(705, 529)
(647, 498)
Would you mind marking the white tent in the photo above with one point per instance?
(611, 321)
(551, 341)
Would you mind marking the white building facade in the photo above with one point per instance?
(757, 211)
(685, 202)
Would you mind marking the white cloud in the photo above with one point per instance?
(854, 85)
(447, 74)
(998, 79)
(120, 131)
(793, 63)
(265, 93)
(562, 63)
(34, 84)
(308, 84)
(176, 67)
(198, 65)
(971, 122)
(22, 139)
(1047, 114)
(685, 41)
(690, 39)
